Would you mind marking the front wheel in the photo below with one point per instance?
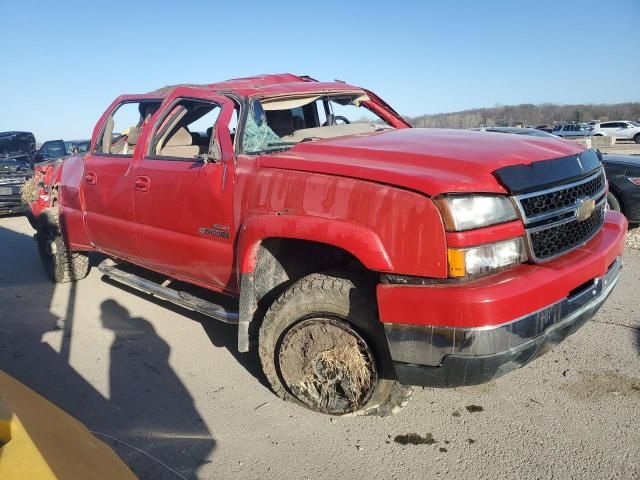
(612, 202)
(60, 264)
(637, 138)
(318, 348)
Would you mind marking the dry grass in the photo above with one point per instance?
(29, 191)
(348, 363)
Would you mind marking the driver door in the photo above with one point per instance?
(183, 191)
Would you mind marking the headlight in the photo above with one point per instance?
(634, 180)
(468, 262)
(465, 212)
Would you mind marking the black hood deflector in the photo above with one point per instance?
(547, 173)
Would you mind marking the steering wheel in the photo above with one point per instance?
(333, 120)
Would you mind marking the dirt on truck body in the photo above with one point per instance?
(360, 256)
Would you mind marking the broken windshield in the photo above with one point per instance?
(279, 123)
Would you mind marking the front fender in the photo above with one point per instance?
(359, 241)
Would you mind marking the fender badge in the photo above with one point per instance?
(585, 209)
(216, 230)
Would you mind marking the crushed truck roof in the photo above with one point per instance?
(276, 84)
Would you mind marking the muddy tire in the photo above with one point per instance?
(613, 203)
(322, 346)
(59, 263)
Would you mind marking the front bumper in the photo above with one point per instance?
(11, 204)
(451, 357)
(630, 196)
(453, 334)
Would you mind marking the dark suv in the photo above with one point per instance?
(16, 163)
(54, 149)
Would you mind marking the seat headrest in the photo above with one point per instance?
(133, 136)
(280, 121)
(181, 138)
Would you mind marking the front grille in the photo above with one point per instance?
(552, 217)
(553, 241)
(561, 198)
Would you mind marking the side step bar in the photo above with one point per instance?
(109, 268)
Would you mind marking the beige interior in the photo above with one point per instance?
(331, 131)
(180, 144)
(288, 103)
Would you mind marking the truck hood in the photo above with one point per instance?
(628, 160)
(431, 161)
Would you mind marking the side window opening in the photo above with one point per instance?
(187, 131)
(122, 128)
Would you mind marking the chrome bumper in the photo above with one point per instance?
(422, 345)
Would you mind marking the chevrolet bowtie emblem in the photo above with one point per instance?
(585, 209)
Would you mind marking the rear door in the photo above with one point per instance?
(108, 179)
(625, 130)
(183, 190)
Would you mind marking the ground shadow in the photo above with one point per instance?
(222, 335)
(147, 406)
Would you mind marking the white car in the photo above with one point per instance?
(619, 129)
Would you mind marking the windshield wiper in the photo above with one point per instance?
(270, 150)
(305, 139)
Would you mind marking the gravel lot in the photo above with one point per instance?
(171, 383)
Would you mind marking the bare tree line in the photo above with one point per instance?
(529, 115)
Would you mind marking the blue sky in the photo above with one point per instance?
(64, 62)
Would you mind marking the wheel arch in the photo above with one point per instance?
(273, 253)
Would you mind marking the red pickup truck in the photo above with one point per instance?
(358, 254)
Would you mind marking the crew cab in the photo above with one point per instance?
(360, 256)
(55, 149)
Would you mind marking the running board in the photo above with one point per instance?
(109, 268)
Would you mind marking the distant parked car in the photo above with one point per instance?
(544, 128)
(572, 130)
(16, 158)
(534, 132)
(20, 146)
(619, 129)
(623, 174)
(54, 149)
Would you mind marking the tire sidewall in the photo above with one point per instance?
(613, 202)
(297, 304)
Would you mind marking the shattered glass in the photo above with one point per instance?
(258, 137)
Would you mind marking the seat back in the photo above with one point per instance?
(281, 122)
(180, 144)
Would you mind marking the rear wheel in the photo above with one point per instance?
(60, 264)
(318, 348)
(637, 138)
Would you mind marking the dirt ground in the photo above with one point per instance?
(171, 384)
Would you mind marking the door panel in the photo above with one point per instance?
(108, 199)
(183, 219)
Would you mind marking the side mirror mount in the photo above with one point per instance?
(216, 151)
(214, 155)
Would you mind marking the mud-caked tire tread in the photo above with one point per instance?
(343, 298)
(63, 265)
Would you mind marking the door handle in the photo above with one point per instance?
(91, 178)
(142, 184)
